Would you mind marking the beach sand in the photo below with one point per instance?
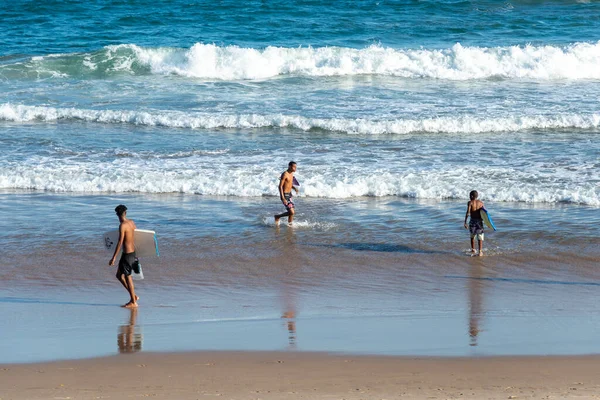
(275, 375)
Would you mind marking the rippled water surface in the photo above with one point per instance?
(393, 110)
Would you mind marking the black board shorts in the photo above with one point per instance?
(126, 263)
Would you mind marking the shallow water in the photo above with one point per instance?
(367, 276)
(393, 110)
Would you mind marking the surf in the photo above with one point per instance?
(206, 61)
(469, 124)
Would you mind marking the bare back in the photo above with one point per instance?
(127, 229)
(473, 208)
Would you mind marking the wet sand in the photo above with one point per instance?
(361, 284)
(268, 375)
(424, 306)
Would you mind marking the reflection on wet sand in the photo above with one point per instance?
(291, 327)
(290, 263)
(128, 340)
(475, 303)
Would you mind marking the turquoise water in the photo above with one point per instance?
(33, 28)
(189, 111)
(413, 99)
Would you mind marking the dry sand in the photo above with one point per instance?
(207, 375)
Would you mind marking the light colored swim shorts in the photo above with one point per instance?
(479, 236)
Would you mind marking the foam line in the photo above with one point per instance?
(175, 119)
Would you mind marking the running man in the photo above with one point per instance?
(286, 184)
(126, 231)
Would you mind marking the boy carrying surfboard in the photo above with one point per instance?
(475, 227)
(128, 258)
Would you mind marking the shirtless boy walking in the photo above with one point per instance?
(475, 226)
(286, 184)
(126, 231)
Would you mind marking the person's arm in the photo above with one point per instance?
(467, 215)
(119, 244)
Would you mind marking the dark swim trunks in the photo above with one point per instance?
(476, 226)
(476, 223)
(288, 198)
(126, 263)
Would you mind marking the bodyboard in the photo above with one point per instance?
(487, 219)
(146, 243)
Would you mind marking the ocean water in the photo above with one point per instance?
(189, 111)
(418, 99)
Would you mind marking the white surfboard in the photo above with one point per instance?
(146, 244)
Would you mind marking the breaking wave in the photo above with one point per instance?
(212, 62)
(176, 119)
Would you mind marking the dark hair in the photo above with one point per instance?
(473, 195)
(120, 209)
(291, 163)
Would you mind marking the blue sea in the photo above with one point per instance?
(188, 111)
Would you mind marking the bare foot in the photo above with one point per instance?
(276, 220)
(130, 305)
(473, 251)
(137, 298)
(480, 253)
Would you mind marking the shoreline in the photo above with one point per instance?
(360, 285)
(287, 375)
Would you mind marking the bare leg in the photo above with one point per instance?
(130, 288)
(472, 245)
(291, 216)
(127, 283)
(278, 216)
(121, 278)
(480, 248)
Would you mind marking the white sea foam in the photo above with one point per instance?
(176, 119)
(212, 62)
(200, 176)
(301, 224)
(208, 61)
